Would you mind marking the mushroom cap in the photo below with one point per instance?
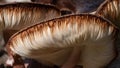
(110, 9)
(53, 41)
(19, 15)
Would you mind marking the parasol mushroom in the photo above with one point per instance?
(88, 38)
(110, 10)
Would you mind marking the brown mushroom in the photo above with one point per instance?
(53, 41)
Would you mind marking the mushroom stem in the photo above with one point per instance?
(73, 59)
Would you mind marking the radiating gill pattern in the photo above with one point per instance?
(20, 15)
(110, 9)
(63, 32)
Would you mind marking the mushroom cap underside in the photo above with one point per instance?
(54, 40)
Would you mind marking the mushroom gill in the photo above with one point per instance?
(15, 16)
(19, 15)
(110, 10)
(54, 40)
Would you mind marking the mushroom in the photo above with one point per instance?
(76, 6)
(15, 16)
(19, 15)
(110, 10)
(85, 39)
